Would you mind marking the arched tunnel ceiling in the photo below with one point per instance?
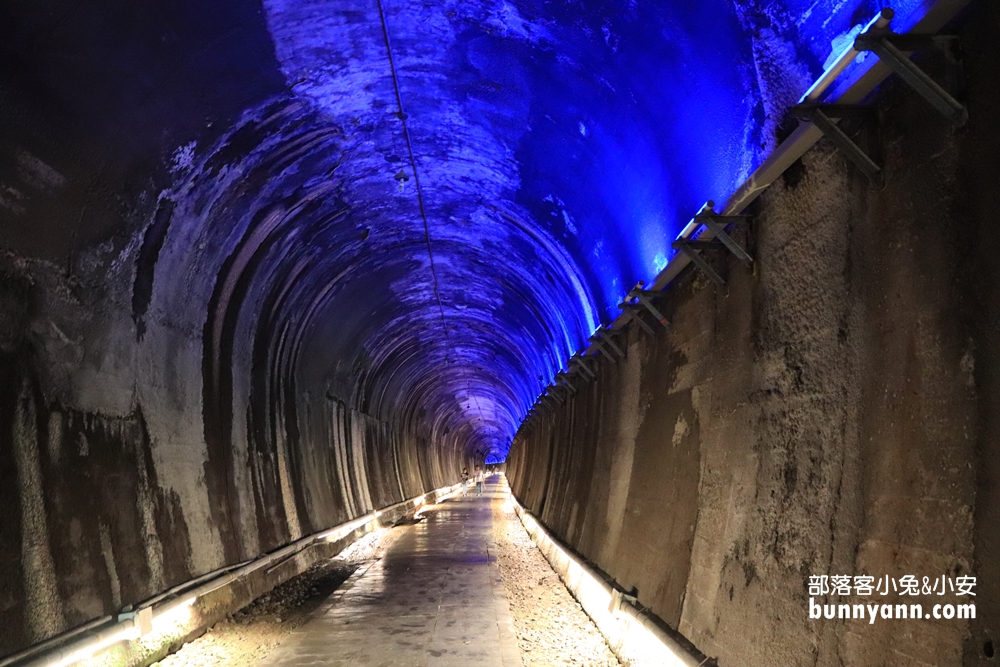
(434, 204)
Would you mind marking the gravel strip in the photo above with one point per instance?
(552, 627)
(247, 636)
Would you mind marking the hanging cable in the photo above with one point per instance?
(401, 114)
(413, 162)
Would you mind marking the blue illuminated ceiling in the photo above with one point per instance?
(468, 189)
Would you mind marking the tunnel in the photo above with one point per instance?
(709, 285)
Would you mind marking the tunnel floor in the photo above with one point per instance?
(435, 598)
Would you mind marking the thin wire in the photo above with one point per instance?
(420, 194)
(413, 163)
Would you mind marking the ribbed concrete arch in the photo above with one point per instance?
(268, 265)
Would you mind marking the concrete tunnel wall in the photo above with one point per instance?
(119, 473)
(171, 398)
(831, 412)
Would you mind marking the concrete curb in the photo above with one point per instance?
(634, 635)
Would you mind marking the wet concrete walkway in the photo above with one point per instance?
(435, 599)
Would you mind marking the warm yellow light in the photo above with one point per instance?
(179, 615)
(125, 634)
(346, 529)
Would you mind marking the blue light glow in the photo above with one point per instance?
(545, 156)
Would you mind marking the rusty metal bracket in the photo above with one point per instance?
(715, 224)
(598, 343)
(686, 247)
(645, 298)
(890, 49)
(631, 311)
(561, 375)
(605, 337)
(581, 364)
(824, 116)
(550, 393)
